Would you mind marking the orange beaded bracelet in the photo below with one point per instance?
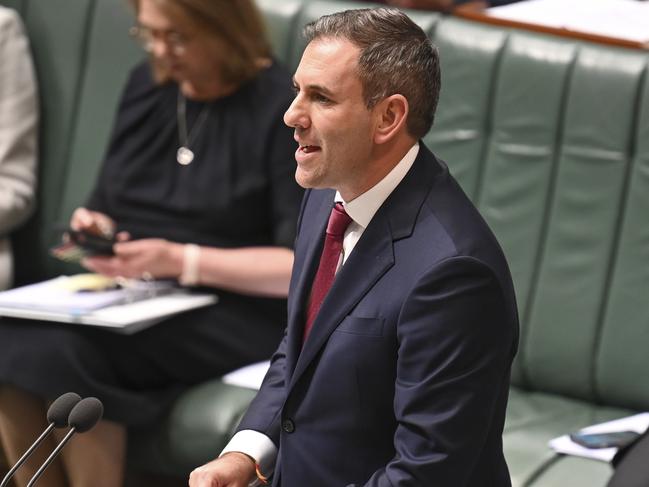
(260, 476)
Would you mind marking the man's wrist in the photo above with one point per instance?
(247, 459)
(258, 473)
(256, 477)
(258, 448)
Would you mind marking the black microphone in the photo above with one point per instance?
(83, 417)
(57, 417)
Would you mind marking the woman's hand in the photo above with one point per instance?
(92, 222)
(153, 257)
(256, 271)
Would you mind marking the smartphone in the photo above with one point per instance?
(614, 439)
(91, 243)
(78, 244)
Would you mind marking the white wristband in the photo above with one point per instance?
(190, 274)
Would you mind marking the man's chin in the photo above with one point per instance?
(306, 180)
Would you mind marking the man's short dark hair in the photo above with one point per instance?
(397, 57)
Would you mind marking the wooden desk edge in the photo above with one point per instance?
(478, 16)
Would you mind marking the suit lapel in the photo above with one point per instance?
(370, 259)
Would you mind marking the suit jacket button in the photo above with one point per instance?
(288, 426)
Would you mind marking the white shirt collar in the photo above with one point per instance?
(362, 208)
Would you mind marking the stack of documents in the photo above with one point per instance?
(123, 309)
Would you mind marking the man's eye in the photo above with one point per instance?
(321, 98)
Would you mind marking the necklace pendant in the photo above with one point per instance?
(184, 156)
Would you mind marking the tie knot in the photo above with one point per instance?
(339, 220)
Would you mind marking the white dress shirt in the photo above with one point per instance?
(361, 210)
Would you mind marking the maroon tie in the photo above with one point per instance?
(333, 246)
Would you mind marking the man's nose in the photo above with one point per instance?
(296, 115)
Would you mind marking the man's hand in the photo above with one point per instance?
(233, 469)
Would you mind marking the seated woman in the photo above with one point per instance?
(18, 133)
(198, 186)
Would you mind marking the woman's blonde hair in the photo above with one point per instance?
(236, 24)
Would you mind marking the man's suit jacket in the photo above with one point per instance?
(403, 380)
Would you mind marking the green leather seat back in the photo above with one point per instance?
(622, 357)
(540, 131)
(469, 56)
(497, 127)
(57, 30)
(519, 157)
(572, 281)
(111, 54)
(280, 19)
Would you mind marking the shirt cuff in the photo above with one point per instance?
(256, 445)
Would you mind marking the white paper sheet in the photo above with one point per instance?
(250, 376)
(621, 19)
(563, 444)
(53, 295)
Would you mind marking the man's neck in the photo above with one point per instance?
(384, 158)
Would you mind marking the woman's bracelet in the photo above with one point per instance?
(190, 274)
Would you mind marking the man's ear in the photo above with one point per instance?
(391, 113)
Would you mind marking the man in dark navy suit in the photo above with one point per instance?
(402, 321)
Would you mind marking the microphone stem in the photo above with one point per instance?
(26, 455)
(52, 456)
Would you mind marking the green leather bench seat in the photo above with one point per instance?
(535, 418)
(196, 430)
(548, 136)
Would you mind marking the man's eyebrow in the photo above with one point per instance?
(318, 88)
